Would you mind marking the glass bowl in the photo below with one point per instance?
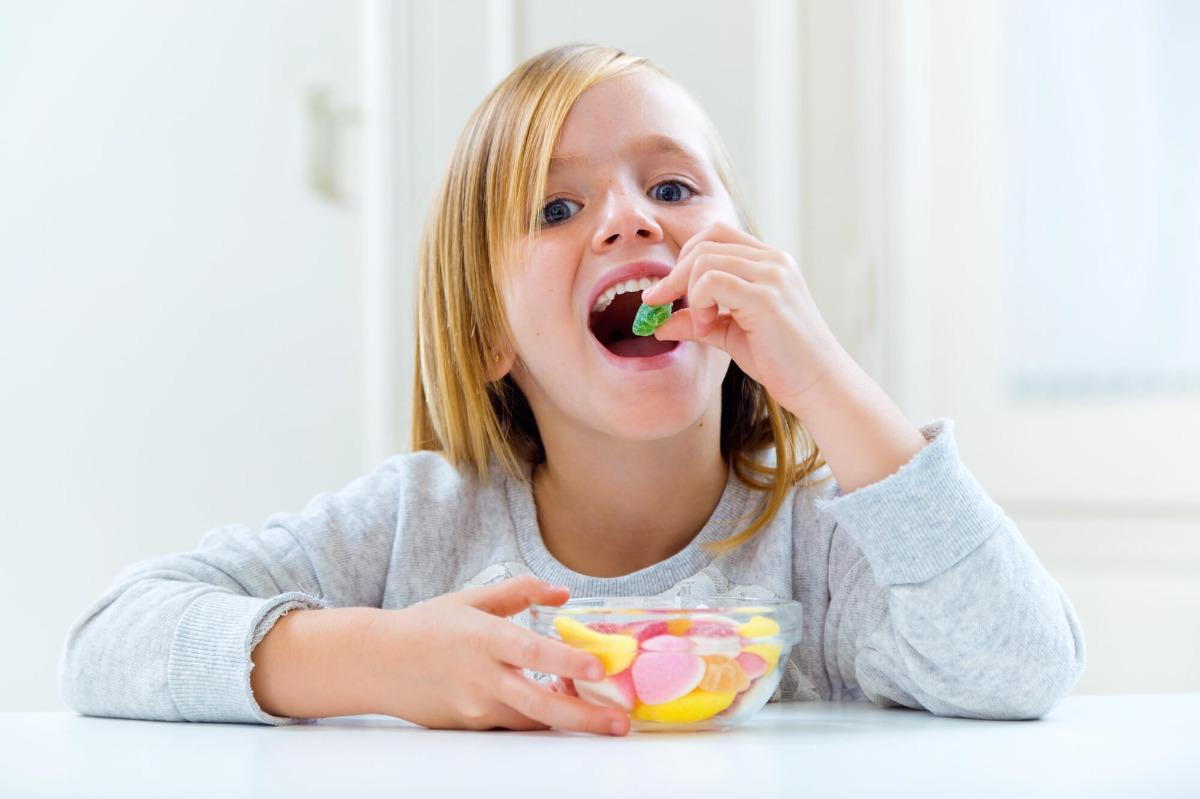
(675, 663)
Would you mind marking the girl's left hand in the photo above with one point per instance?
(772, 328)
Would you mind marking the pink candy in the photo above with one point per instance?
(643, 630)
(615, 691)
(662, 677)
(752, 664)
(667, 643)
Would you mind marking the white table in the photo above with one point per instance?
(1120, 746)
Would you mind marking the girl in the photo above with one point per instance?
(739, 450)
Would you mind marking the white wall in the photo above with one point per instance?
(181, 314)
(1103, 487)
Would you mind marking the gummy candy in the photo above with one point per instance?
(768, 652)
(696, 706)
(754, 665)
(722, 675)
(661, 677)
(679, 671)
(615, 691)
(678, 626)
(649, 318)
(759, 627)
(616, 652)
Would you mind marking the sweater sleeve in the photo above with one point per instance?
(937, 602)
(171, 638)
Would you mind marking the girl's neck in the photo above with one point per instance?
(608, 507)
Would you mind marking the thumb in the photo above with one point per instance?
(685, 325)
(514, 595)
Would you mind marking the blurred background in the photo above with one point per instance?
(209, 211)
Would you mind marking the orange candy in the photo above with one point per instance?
(723, 675)
(678, 626)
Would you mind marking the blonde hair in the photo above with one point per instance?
(489, 200)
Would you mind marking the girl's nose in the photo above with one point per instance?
(625, 218)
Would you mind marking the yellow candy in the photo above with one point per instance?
(768, 652)
(759, 627)
(696, 706)
(616, 652)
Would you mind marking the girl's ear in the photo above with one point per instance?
(500, 363)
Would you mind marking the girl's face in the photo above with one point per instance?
(630, 182)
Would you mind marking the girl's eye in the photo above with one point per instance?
(557, 211)
(671, 191)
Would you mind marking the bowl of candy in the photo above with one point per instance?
(673, 663)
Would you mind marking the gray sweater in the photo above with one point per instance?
(917, 590)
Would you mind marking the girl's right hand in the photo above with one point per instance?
(454, 662)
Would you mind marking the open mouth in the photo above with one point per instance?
(613, 327)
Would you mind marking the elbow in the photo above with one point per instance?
(1027, 682)
(74, 676)
(87, 664)
(71, 682)
(1033, 697)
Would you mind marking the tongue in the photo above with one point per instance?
(640, 347)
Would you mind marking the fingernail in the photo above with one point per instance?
(595, 672)
(618, 727)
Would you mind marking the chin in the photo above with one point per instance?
(650, 420)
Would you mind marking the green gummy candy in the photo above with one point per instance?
(649, 318)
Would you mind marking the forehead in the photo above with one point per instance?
(629, 115)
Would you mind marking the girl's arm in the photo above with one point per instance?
(936, 601)
(172, 638)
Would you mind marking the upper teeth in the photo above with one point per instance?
(634, 284)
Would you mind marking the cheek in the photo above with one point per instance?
(684, 226)
(538, 302)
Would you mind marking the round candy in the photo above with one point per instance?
(678, 626)
(615, 691)
(644, 630)
(754, 665)
(661, 677)
(759, 627)
(712, 625)
(768, 652)
(715, 645)
(695, 706)
(667, 643)
(722, 675)
(755, 697)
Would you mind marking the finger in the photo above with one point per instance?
(705, 263)
(675, 284)
(681, 328)
(720, 232)
(509, 719)
(514, 595)
(504, 717)
(525, 649)
(703, 322)
(715, 287)
(559, 710)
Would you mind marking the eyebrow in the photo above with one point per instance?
(646, 144)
